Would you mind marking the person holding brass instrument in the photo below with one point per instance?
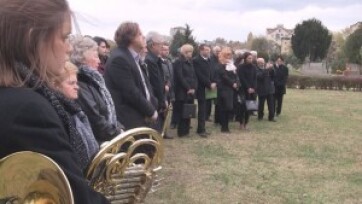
(127, 80)
(34, 117)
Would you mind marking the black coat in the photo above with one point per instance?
(247, 76)
(280, 80)
(28, 122)
(169, 78)
(265, 82)
(95, 107)
(225, 89)
(203, 71)
(214, 67)
(185, 79)
(156, 76)
(124, 82)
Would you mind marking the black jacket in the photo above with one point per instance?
(214, 67)
(185, 79)
(203, 71)
(265, 82)
(247, 76)
(28, 122)
(156, 76)
(125, 84)
(280, 80)
(169, 78)
(225, 89)
(95, 108)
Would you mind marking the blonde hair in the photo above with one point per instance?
(225, 55)
(186, 48)
(69, 70)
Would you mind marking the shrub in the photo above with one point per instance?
(325, 82)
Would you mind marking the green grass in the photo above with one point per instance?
(313, 154)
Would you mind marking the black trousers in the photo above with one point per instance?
(208, 108)
(201, 115)
(243, 114)
(270, 101)
(278, 103)
(176, 115)
(183, 125)
(224, 119)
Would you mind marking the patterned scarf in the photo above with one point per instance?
(63, 107)
(97, 80)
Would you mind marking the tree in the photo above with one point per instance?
(181, 38)
(311, 39)
(260, 44)
(353, 47)
(249, 40)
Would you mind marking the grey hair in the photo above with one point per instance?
(153, 37)
(80, 45)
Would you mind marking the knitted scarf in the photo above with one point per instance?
(97, 80)
(63, 107)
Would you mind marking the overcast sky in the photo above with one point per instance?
(230, 19)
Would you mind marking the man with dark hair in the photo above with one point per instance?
(202, 68)
(280, 81)
(102, 53)
(127, 81)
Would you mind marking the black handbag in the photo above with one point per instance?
(251, 105)
(189, 111)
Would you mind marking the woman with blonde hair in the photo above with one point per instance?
(228, 84)
(185, 87)
(67, 84)
(34, 117)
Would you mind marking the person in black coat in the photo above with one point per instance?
(280, 81)
(214, 62)
(185, 87)
(127, 80)
(227, 87)
(94, 97)
(33, 116)
(202, 68)
(265, 88)
(247, 76)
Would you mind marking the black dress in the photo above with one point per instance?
(28, 122)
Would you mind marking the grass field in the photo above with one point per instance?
(313, 154)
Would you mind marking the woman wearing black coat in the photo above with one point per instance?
(33, 116)
(94, 97)
(185, 86)
(247, 76)
(227, 86)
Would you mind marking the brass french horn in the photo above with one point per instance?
(32, 178)
(124, 171)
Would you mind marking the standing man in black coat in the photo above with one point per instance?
(202, 68)
(265, 88)
(156, 75)
(127, 80)
(280, 81)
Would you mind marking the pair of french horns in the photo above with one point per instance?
(124, 171)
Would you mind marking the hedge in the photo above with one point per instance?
(325, 82)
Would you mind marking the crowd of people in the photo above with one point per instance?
(64, 95)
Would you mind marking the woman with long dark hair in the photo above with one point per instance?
(247, 76)
(34, 117)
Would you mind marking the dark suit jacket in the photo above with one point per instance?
(29, 123)
(124, 82)
(281, 77)
(169, 78)
(203, 70)
(214, 62)
(185, 79)
(265, 82)
(156, 76)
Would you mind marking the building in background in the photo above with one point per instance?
(282, 37)
(174, 30)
